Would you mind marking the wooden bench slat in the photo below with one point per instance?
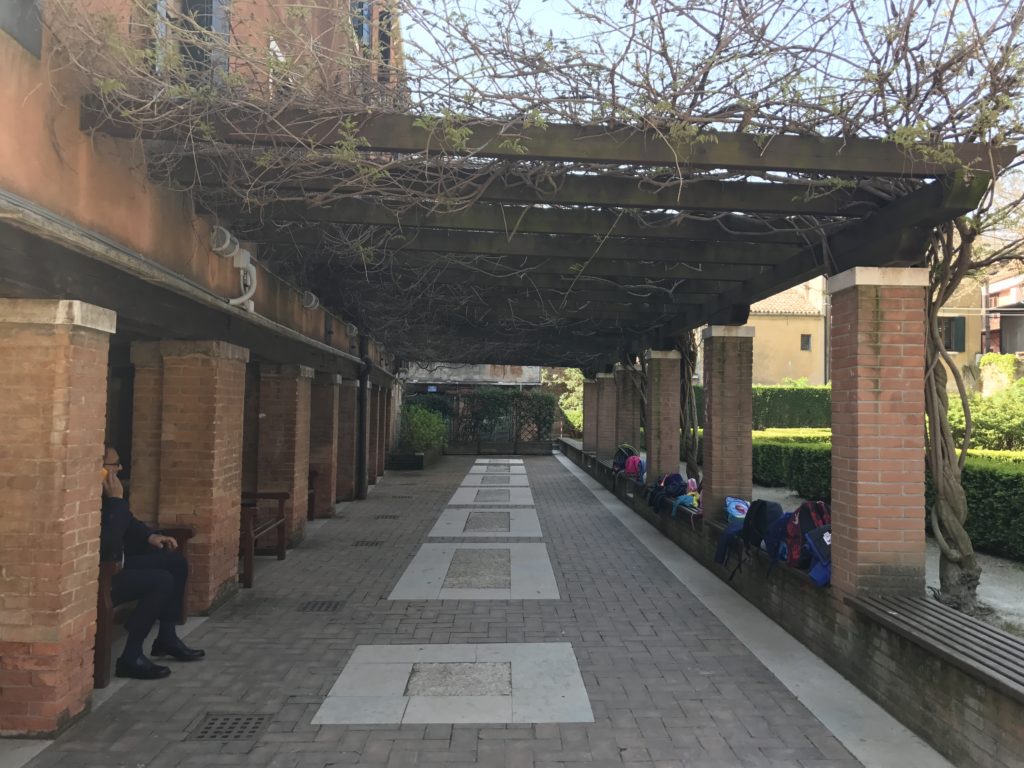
(1009, 648)
(890, 617)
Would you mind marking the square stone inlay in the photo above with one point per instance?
(492, 494)
(487, 521)
(480, 569)
(460, 678)
(495, 480)
(434, 573)
(458, 683)
(484, 521)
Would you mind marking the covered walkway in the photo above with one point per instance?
(667, 682)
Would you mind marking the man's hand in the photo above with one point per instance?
(159, 540)
(112, 486)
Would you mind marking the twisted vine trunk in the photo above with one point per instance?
(959, 573)
(688, 438)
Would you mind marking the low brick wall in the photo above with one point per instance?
(972, 724)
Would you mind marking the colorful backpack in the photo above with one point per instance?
(819, 544)
(622, 456)
(634, 467)
(736, 509)
(758, 521)
(807, 517)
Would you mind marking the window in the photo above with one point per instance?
(211, 15)
(20, 19)
(953, 333)
(384, 38)
(805, 342)
(362, 20)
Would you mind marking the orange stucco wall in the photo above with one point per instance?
(100, 184)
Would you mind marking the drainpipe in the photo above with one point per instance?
(984, 318)
(362, 420)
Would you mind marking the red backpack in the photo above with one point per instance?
(808, 516)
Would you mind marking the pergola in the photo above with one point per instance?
(559, 245)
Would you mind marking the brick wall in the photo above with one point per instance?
(284, 439)
(590, 403)
(728, 415)
(662, 413)
(348, 429)
(627, 416)
(373, 435)
(973, 725)
(323, 440)
(607, 409)
(251, 429)
(878, 343)
(147, 412)
(52, 418)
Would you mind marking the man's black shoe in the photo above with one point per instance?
(177, 650)
(140, 669)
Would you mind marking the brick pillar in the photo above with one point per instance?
(348, 430)
(323, 440)
(662, 435)
(878, 455)
(628, 407)
(284, 439)
(607, 412)
(389, 424)
(382, 430)
(251, 429)
(590, 405)
(147, 414)
(373, 434)
(52, 417)
(728, 415)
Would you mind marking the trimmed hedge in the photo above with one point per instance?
(783, 406)
(421, 430)
(994, 488)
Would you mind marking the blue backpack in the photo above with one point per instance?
(819, 543)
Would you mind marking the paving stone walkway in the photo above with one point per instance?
(668, 685)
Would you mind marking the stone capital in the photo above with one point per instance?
(58, 312)
(219, 349)
(907, 277)
(327, 379)
(662, 354)
(729, 332)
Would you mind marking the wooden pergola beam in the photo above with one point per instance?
(651, 192)
(580, 248)
(599, 144)
(509, 220)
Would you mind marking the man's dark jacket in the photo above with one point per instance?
(120, 533)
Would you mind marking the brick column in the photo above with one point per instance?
(878, 455)
(52, 417)
(382, 430)
(191, 410)
(389, 422)
(590, 418)
(373, 434)
(323, 440)
(607, 412)
(284, 439)
(728, 415)
(348, 430)
(662, 435)
(627, 415)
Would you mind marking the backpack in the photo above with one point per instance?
(760, 517)
(807, 517)
(634, 467)
(775, 539)
(819, 544)
(622, 456)
(735, 509)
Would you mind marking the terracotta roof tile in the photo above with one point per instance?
(791, 302)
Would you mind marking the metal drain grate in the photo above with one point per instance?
(367, 543)
(216, 727)
(321, 606)
(386, 517)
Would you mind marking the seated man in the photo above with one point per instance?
(152, 572)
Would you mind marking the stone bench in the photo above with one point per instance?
(252, 527)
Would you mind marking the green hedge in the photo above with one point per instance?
(784, 406)
(994, 488)
(421, 429)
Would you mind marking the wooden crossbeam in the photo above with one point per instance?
(582, 248)
(601, 144)
(665, 192)
(514, 219)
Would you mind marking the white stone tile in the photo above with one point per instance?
(551, 706)
(373, 680)
(523, 523)
(466, 496)
(495, 481)
(468, 593)
(512, 469)
(532, 577)
(499, 461)
(394, 654)
(361, 710)
(458, 709)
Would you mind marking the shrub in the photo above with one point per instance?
(432, 401)
(997, 420)
(421, 429)
(784, 406)
(804, 467)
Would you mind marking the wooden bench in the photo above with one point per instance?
(107, 614)
(987, 654)
(253, 527)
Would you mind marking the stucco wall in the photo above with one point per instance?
(777, 352)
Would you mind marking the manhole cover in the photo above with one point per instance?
(386, 517)
(321, 606)
(216, 727)
(367, 543)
